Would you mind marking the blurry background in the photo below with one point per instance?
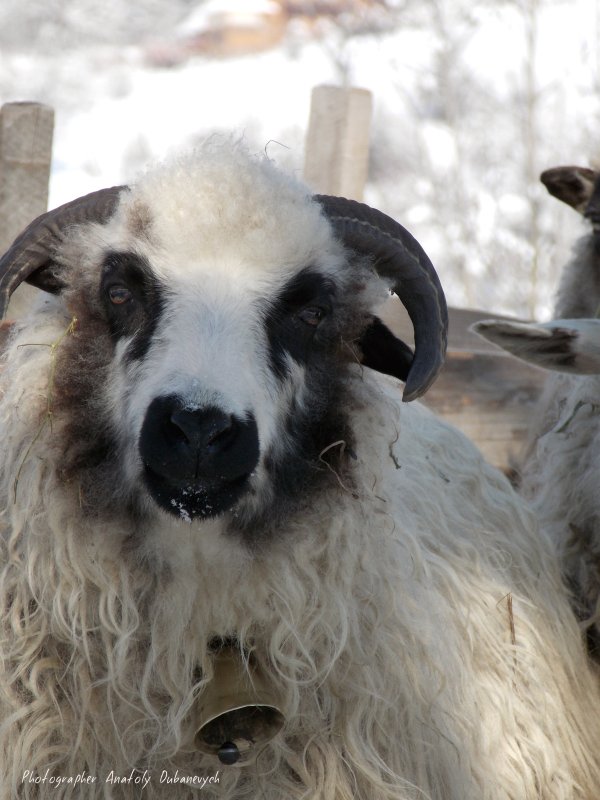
(472, 99)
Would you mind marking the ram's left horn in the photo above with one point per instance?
(31, 257)
(238, 712)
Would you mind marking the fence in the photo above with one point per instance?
(26, 131)
(481, 390)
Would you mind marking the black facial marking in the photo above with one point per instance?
(309, 324)
(308, 464)
(133, 300)
(296, 322)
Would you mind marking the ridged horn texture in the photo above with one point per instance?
(30, 257)
(399, 259)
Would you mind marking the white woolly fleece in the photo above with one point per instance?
(413, 621)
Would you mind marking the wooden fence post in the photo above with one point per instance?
(337, 141)
(25, 156)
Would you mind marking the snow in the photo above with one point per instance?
(472, 100)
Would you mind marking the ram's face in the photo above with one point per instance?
(227, 345)
(216, 387)
(219, 306)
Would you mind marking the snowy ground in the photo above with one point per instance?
(472, 101)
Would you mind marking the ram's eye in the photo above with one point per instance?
(312, 315)
(119, 295)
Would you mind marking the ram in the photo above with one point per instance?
(560, 466)
(232, 559)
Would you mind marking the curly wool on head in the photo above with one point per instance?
(208, 455)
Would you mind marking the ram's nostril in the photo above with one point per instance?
(174, 432)
(202, 429)
(222, 434)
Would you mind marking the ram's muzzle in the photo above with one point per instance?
(197, 460)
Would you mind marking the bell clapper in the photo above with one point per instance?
(228, 753)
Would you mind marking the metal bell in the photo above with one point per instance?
(238, 711)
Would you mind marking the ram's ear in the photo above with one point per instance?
(561, 345)
(384, 352)
(572, 185)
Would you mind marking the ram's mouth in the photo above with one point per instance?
(200, 500)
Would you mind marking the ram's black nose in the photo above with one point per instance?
(205, 431)
(197, 461)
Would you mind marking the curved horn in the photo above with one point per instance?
(30, 256)
(399, 258)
